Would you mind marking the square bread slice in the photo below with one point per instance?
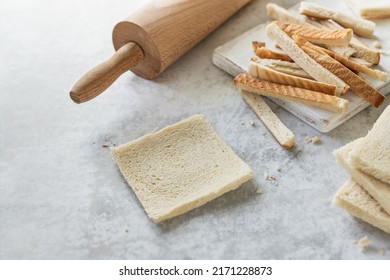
(360, 204)
(372, 155)
(180, 167)
(377, 189)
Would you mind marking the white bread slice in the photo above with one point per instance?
(360, 26)
(357, 84)
(317, 35)
(302, 59)
(372, 155)
(290, 68)
(308, 97)
(180, 167)
(281, 133)
(264, 73)
(360, 204)
(377, 189)
(267, 53)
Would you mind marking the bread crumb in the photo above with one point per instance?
(264, 133)
(314, 140)
(364, 243)
(265, 176)
(377, 45)
(272, 178)
(252, 123)
(381, 251)
(259, 191)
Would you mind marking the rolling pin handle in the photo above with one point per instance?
(99, 78)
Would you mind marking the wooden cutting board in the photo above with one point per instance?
(234, 57)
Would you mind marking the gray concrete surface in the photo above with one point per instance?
(62, 196)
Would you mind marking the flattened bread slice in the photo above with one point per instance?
(308, 97)
(281, 133)
(316, 35)
(377, 189)
(372, 155)
(360, 204)
(180, 167)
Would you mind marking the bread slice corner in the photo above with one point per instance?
(377, 189)
(355, 200)
(372, 155)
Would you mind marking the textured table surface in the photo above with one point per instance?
(62, 196)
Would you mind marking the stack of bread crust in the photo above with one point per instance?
(316, 66)
(366, 194)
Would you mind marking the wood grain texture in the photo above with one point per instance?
(154, 37)
(165, 30)
(99, 78)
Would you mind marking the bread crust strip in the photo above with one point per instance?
(316, 35)
(357, 84)
(280, 132)
(317, 99)
(263, 72)
(361, 27)
(267, 53)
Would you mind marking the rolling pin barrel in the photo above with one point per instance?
(159, 33)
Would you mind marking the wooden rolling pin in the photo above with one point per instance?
(154, 37)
